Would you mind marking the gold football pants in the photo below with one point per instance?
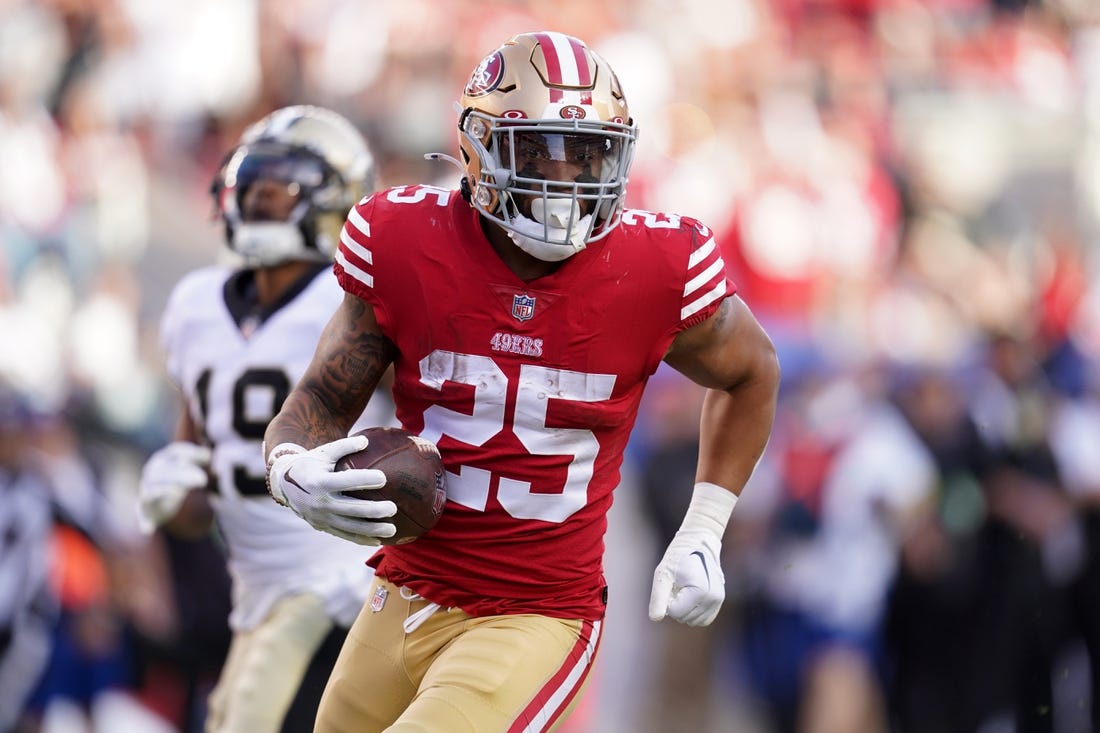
(455, 673)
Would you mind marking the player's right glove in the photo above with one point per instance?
(307, 482)
(166, 478)
(688, 584)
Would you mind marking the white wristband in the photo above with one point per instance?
(273, 487)
(710, 509)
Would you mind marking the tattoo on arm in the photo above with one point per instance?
(336, 389)
(718, 321)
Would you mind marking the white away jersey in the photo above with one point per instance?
(235, 378)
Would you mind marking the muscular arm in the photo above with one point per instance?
(733, 357)
(350, 359)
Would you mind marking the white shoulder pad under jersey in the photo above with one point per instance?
(235, 374)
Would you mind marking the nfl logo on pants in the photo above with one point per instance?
(378, 600)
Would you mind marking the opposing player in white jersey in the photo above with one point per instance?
(523, 315)
(236, 341)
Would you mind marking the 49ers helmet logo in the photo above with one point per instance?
(486, 76)
(572, 112)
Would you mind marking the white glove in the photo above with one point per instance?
(166, 478)
(305, 481)
(688, 584)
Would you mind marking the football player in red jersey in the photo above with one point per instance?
(523, 315)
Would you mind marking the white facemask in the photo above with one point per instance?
(264, 243)
(551, 222)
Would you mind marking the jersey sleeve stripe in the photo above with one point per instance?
(356, 229)
(702, 252)
(364, 277)
(704, 300)
(706, 276)
(360, 224)
(355, 248)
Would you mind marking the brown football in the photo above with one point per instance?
(415, 479)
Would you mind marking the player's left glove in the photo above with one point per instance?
(688, 584)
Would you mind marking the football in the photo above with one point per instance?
(415, 480)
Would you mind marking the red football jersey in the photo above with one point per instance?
(530, 389)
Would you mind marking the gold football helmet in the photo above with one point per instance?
(326, 166)
(546, 141)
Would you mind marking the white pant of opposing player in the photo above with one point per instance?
(265, 667)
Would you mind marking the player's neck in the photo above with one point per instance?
(272, 282)
(524, 266)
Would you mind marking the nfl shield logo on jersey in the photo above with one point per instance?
(523, 307)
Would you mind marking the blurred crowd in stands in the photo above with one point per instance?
(907, 193)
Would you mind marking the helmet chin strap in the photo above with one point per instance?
(266, 243)
(551, 222)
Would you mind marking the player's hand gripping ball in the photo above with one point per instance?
(415, 479)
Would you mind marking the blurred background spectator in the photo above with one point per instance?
(907, 190)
